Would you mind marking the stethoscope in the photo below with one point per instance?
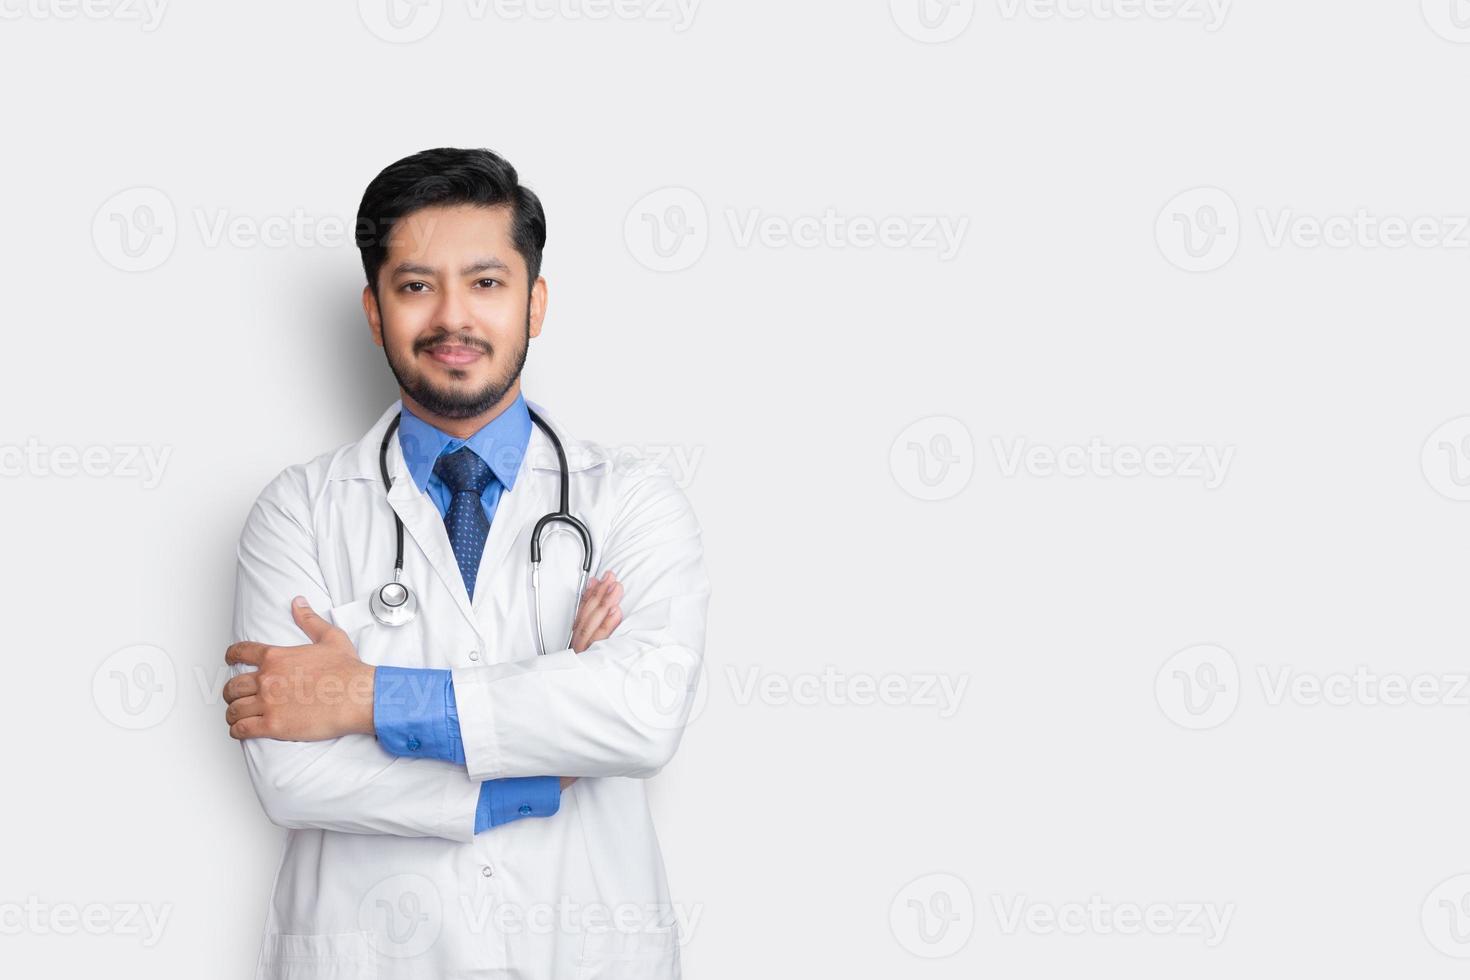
(394, 604)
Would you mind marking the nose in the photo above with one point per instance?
(453, 312)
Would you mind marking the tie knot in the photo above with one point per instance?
(462, 470)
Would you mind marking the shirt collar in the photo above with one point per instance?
(501, 443)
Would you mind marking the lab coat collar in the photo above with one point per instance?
(515, 515)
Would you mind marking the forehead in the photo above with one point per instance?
(444, 236)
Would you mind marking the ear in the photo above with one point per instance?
(374, 316)
(538, 305)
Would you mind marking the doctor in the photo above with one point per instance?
(458, 801)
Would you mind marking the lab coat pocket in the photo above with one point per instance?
(609, 954)
(341, 956)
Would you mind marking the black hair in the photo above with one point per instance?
(447, 176)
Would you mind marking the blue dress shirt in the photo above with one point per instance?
(414, 710)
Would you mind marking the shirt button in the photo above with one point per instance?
(413, 744)
(525, 809)
(474, 654)
(486, 871)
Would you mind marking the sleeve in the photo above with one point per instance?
(504, 800)
(415, 716)
(350, 783)
(619, 707)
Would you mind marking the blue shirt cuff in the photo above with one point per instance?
(504, 800)
(414, 713)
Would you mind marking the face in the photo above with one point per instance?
(454, 311)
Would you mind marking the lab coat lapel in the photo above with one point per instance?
(421, 520)
(510, 533)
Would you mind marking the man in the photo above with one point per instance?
(460, 802)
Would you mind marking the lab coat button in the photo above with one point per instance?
(486, 871)
(474, 654)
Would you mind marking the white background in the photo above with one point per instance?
(824, 391)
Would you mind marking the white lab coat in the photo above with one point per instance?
(382, 875)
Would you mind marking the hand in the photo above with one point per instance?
(598, 614)
(300, 694)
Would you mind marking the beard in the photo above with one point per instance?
(457, 403)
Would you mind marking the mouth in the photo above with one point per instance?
(455, 355)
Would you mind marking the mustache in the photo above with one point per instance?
(458, 340)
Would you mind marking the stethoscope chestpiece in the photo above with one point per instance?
(393, 604)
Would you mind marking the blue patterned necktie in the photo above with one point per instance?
(467, 475)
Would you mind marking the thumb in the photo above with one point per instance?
(311, 624)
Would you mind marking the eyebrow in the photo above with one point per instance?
(491, 264)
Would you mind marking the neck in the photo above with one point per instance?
(465, 427)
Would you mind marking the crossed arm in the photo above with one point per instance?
(314, 759)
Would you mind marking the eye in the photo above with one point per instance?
(407, 287)
(496, 281)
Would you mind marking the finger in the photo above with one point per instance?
(316, 628)
(247, 707)
(594, 607)
(609, 623)
(252, 727)
(246, 652)
(241, 686)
